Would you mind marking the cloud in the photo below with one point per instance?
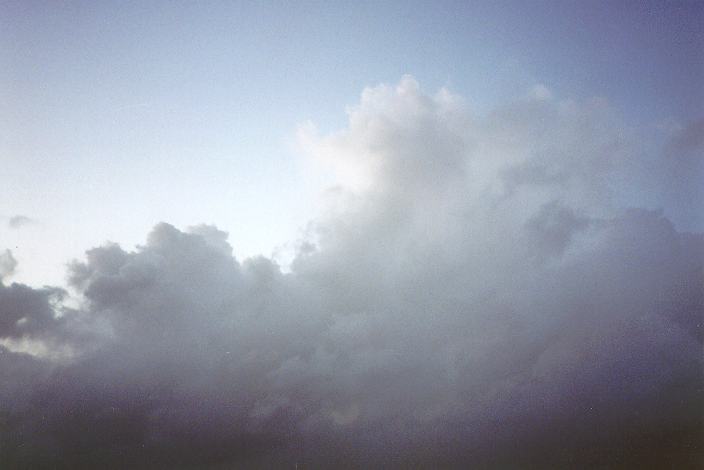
(681, 173)
(8, 263)
(473, 295)
(540, 92)
(18, 221)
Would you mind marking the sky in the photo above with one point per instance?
(351, 234)
(116, 116)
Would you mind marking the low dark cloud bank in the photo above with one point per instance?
(474, 295)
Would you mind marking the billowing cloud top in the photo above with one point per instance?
(474, 294)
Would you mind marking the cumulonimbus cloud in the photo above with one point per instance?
(474, 294)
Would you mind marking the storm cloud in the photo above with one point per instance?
(475, 292)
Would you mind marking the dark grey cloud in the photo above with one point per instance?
(432, 318)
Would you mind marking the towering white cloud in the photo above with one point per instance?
(474, 294)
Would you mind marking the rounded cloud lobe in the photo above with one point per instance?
(473, 295)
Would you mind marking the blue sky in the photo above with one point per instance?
(117, 115)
